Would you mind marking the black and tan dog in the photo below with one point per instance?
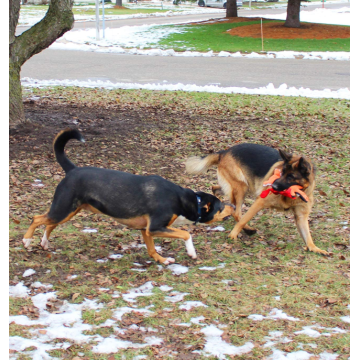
(147, 203)
(243, 168)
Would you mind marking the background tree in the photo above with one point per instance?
(119, 3)
(231, 8)
(58, 19)
(293, 14)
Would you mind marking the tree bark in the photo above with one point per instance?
(118, 3)
(58, 19)
(231, 8)
(293, 14)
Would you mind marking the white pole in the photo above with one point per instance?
(262, 37)
(250, 4)
(97, 19)
(103, 12)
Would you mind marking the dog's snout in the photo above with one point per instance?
(275, 186)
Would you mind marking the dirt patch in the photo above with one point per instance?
(306, 31)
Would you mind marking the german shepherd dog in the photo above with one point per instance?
(244, 168)
(147, 203)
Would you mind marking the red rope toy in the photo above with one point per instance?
(291, 192)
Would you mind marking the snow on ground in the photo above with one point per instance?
(274, 314)
(19, 290)
(217, 347)
(143, 290)
(282, 90)
(30, 17)
(28, 272)
(177, 269)
(62, 328)
(94, 47)
(133, 39)
(320, 16)
(188, 305)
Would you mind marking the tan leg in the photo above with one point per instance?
(38, 220)
(45, 239)
(238, 202)
(258, 205)
(302, 224)
(149, 241)
(178, 234)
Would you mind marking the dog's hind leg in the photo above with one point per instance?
(239, 195)
(45, 239)
(302, 224)
(38, 220)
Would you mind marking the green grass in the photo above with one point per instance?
(154, 132)
(215, 37)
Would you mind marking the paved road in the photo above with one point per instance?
(225, 72)
(251, 73)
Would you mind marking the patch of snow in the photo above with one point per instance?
(188, 305)
(175, 296)
(28, 272)
(196, 320)
(217, 347)
(38, 284)
(217, 228)
(165, 288)
(320, 16)
(87, 230)
(111, 344)
(212, 268)
(115, 256)
(274, 314)
(19, 290)
(277, 298)
(296, 355)
(346, 319)
(282, 90)
(101, 260)
(177, 269)
(139, 270)
(143, 290)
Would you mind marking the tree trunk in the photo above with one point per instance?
(118, 3)
(231, 8)
(58, 19)
(293, 14)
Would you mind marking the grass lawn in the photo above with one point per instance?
(148, 132)
(215, 37)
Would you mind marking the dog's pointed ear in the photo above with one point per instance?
(285, 156)
(304, 167)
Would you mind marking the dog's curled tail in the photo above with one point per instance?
(59, 145)
(198, 164)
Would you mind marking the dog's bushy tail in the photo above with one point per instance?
(59, 145)
(198, 164)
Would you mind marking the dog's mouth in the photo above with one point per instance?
(226, 217)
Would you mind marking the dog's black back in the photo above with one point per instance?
(257, 158)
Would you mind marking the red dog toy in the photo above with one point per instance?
(291, 192)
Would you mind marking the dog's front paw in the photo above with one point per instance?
(319, 251)
(233, 235)
(26, 242)
(190, 248)
(169, 261)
